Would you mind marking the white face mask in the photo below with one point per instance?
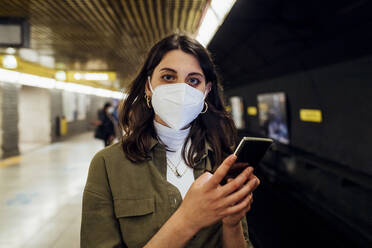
(177, 104)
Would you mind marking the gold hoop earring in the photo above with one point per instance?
(206, 108)
(147, 100)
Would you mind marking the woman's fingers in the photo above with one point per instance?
(244, 205)
(237, 196)
(237, 182)
(249, 205)
(243, 212)
(257, 182)
(221, 172)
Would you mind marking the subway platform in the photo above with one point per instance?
(41, 193)
(41, 196)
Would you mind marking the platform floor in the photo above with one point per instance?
(40, 196)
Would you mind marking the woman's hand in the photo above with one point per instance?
(207, 201)
(234, 219)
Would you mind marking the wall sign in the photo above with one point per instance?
(252, 110)
(311, 115)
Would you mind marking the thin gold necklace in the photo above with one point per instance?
(174, 169)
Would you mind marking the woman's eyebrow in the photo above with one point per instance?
(174, 71)
(195, 74)
(168, 69)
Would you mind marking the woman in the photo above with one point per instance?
(154, 188)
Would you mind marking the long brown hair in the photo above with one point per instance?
(214, 127)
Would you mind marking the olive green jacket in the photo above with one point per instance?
(125, 203)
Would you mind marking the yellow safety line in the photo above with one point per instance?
(10, 161)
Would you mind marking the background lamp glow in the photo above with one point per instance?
(14, 77)
(10, 62)
(213, 19)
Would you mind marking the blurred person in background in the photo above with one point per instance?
(105, 129)
(160, 186)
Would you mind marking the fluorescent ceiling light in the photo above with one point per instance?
(9, 76)
(222, 8)
(90, 76)
(10, 50)
(96, 76)
(10, 62)
(78, 76)
(61, 75)
(47, 61)
(29, 55)
(213, 19)
(36, 81)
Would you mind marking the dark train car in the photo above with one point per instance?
(303, 72)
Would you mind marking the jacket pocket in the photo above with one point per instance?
(138, 220)
(134, 207)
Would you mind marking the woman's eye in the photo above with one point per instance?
(193, 81)
(167, 77)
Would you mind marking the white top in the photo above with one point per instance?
(174, 140)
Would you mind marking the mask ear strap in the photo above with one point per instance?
(149, 79)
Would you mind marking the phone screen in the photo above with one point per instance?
(251, 150)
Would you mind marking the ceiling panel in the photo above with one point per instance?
(260, 40)
(103, 34)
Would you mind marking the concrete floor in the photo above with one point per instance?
(40, 197)
(30, 146)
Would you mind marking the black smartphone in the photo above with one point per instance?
(250, 150)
